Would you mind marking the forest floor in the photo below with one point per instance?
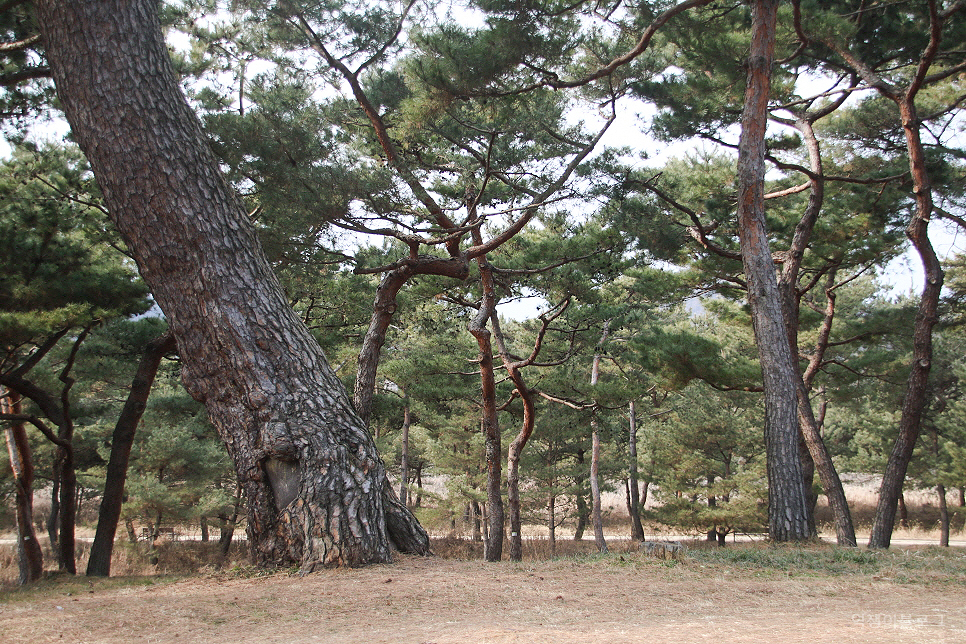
(741, 593)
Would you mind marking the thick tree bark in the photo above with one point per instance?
(787, 507)
(99, 564)
(315, 488)
(30, 555)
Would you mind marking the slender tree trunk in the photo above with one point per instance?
(316, 489)
(941, 495)
(583, 511)
(903, 511)
(30, 556)
(808, 480)
(69, 493)
(552, 521)
(787, 507)
(493, 537)
(419, 485)
(404, 458)
(596, 511)
(227, 531)
(513, 472)
(831, 483)
(943, 516)
(712, 534)
(810, 426)
(67, 515)
(99, 564)
(53, 517)
(205, 535)
(637, 530)
(476, 526)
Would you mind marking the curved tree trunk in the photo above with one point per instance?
(515, 450)
(99, 564)
(926, 318)
(817, 453)
(787, 507)
(316, 489)
(383, 310)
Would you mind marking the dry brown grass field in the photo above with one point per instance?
(748, 591)
(745, 592)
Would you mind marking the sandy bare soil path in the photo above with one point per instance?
(423, 601)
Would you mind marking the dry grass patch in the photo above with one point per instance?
(738, 595)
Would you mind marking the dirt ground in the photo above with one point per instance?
(439, 601)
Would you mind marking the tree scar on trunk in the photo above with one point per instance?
(283, 477)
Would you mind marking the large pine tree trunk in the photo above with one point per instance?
(315, 488)
(787, 507)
